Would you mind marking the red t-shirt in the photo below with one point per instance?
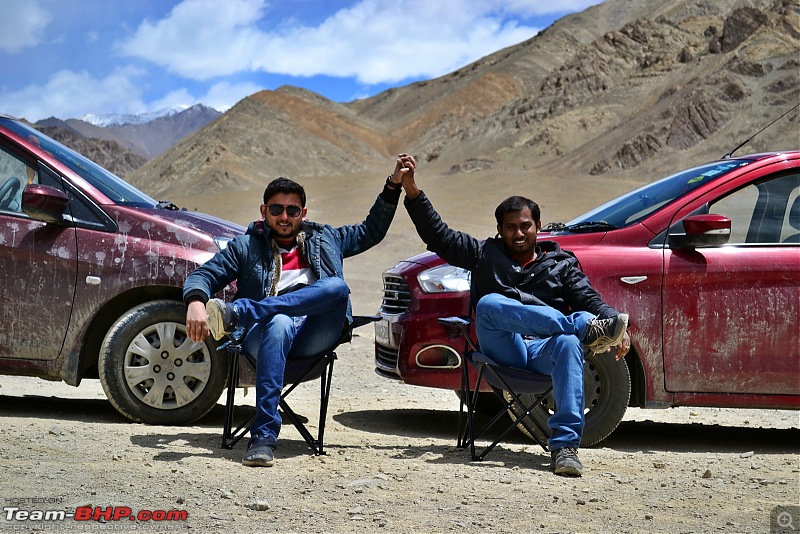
(295, 269)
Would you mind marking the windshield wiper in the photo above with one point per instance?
(554, 227)
(167, 205)
(589, 226)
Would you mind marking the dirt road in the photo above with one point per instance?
(391, 467)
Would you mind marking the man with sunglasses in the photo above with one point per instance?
(292, 300)
(534, 307)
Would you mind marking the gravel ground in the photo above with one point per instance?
(391, 466)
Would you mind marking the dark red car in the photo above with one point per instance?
(707, 264)
(91, 273)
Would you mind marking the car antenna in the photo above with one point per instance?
(729, 154)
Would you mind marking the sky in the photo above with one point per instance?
(69, 58)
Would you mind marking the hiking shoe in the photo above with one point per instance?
(565, 462)
(605, 333)
(220, 317)
(259, 454)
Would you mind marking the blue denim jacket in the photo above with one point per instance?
(248, 258)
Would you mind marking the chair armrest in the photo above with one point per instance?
(363, 320)
(459, 326)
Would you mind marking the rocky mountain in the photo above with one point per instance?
(107, 153)
(135, 140)
(625, 88)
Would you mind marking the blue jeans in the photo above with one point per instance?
(300, 324)
(540, 339)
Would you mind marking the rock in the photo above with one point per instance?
(685, 55)
(258, 506)
(742, 23)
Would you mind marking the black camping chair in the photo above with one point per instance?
(297, 371)
(507, 383)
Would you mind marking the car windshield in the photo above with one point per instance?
(639, 203)
(112, 186)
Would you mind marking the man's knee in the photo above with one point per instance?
(334, 287)
(490, 303)
(568, 346)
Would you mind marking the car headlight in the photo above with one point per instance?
(221, 242)
(444, 279)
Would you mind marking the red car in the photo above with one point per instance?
(707, 264)
(91, 274)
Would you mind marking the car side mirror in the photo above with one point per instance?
(697, 231)
(44, 202)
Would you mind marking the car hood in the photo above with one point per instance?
(202, 221)
(183, 228)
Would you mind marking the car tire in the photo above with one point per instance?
(153, 373)
(607, 384)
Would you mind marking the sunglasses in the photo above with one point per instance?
(291, 210)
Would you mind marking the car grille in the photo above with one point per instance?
(396, 295)
(386, 361)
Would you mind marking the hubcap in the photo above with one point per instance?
(164, 368)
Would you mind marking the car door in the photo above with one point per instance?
(38, 267)
(731, 312)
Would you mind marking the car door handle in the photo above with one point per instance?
(633, 279)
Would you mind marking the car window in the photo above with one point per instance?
(14, 176)
(767, 212)
(113, 187)
(639, 203)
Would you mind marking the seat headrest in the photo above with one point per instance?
(794, 214)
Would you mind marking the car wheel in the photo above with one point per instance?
(153, 373)
(607, 384)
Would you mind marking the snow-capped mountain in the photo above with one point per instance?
(119, 119)
(146, 135)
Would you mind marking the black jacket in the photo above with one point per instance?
(553, 279)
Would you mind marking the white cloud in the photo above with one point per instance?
(220, 96)
(385, 42)
(21, 24)
(69, 94)
(374, 41)
(200, 39)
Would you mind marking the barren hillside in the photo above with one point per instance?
(625, 90)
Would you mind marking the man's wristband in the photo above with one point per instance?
(390, 184)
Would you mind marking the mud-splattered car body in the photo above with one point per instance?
(91, 272)
(707, 264)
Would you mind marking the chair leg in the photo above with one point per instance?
(523, 417)
(326, 378)
(519, 418)
(500, 413)
(464, 402)
(231, 437)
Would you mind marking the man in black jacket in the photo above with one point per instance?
(534, 309)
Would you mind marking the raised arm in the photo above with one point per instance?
(456, 248)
